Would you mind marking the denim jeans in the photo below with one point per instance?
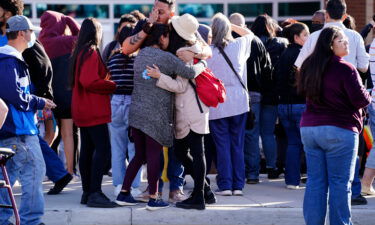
(264, 126)
(370, 163)
(175, 172)
(290, 117)
(27, 166)
(228, 134)
(120, 144)
(54, 167)
(356, 184)
(330, 155)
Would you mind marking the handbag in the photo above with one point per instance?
(250, 122)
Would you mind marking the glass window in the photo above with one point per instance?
(200, 10)
(298, 8)
(119, 10)
(27, 11)
(251, 10)
(76, 11)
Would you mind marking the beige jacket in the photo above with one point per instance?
(188, 115)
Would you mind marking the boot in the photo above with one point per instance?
(209, 196)
(195, 201)
(99, 200)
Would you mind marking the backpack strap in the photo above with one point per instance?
(196, 95)
(232, 67)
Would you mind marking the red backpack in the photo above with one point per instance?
(208, 88)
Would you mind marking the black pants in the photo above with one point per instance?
(95, 153)
(194, 160)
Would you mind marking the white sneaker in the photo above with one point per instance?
(117, 190)
(238, 193)
(136, 192)
(293, 187)
(367, 190)
(223, 192)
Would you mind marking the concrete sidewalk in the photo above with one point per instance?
(266, 203)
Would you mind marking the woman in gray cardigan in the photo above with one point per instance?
(151, 112)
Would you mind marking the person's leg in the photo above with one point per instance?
(220, 134)
(153, 151)
(316, 194)
(356, 184)
(195, 143)
(85, 160)
(342, 147)
(31, 178)
(369, 174)
(100, 137)
(175, 172)
(268, 116)
(209, 151)
(251, 148)
(237, 136)
(67, 137)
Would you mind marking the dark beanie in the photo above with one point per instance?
(204, 30)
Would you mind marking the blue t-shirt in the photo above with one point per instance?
(3, 40)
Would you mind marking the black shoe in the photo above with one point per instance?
(195, 201)
(209, 196)
(60, 184)
(273, 173)
(252, 181)
(99, 200)
(360, 200)
(84, 198)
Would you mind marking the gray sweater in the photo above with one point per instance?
(151, 109)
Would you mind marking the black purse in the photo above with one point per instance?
(250, 122)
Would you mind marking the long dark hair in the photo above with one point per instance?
(176, 41)
(157, 30)
(88, 39)
(310, 76)
(263, 26)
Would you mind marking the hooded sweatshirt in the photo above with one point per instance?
(15, 91)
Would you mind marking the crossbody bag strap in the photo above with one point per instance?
(196, 95)
(232, 67)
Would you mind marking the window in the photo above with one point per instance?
(27, 11)
(298, 8)
(76, 11)
(119, 10)
(250, 10)
(200, 10)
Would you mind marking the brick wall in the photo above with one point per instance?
(362, 11)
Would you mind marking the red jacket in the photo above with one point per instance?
(91, 101)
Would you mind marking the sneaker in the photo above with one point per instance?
(117, 190)
(237, 193)
(209, 196)
(293, 187)
(60, 184)
(176, 196)
(99, 200)
(195, 201)
(84, 198)
(252, 181)
(125, 199)
(223, 192)
(155, 204)
(367, 190)
(360, 200)
(272, 173)
(136, 192)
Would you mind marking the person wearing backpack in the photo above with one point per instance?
(227, 122)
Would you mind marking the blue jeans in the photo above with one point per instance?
(356, 184)
(290, 117)
(228, 134)
(330, 155)
(120, 144)
(175, 172)
(264, 126)
(54, 167)
(27, 166)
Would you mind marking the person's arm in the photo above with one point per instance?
(89, 76)
(3, 112)
(12, 92)
(165, 82)
(73, 25)
(242, 31)
(357, 93)
(186, 71)
(362, 56)
(306, 50)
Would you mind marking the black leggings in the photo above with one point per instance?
(95, 153)
(194, 160)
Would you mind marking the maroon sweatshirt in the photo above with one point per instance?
(343, 98)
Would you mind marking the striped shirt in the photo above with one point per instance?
(121, 69)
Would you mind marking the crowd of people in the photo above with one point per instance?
(306, 97)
